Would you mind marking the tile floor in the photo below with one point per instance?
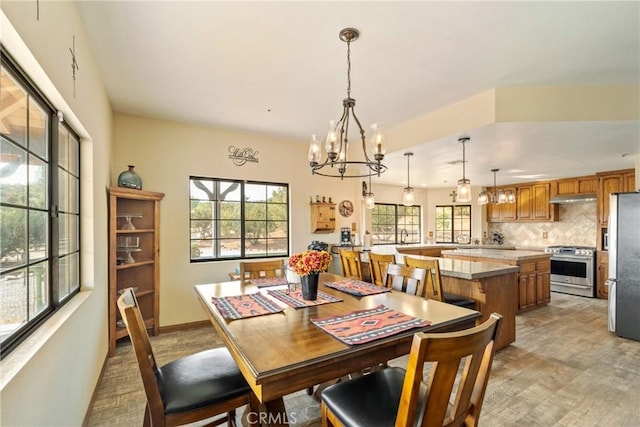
(564, 369)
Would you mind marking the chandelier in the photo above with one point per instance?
(464, 185)
(337, 163)
(496, 197)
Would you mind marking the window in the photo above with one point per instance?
(453, 224)
(39, 208)
(391, 221)
(233, 219)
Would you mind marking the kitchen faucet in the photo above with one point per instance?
(403, 235)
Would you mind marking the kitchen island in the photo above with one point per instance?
(492, 286)
(533, 278)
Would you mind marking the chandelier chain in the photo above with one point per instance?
(349, 69)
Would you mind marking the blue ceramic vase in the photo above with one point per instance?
(130, 179)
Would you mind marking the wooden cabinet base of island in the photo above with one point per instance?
(134, 219)
(534, 278)
(492, 294)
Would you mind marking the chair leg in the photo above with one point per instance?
(310, 391)
(147, 416)
(253, 412)
(327, 417)
(231, 418)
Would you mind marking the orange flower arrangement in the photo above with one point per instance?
(310, 262)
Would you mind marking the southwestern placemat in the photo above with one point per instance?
(241, 306)
(269, 281)
(356, 287)
(294, 298)
(362, 326)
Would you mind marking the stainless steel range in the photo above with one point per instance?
(573, 270)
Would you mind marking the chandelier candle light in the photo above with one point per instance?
(464, 185)
(337, 141)
(408, 198)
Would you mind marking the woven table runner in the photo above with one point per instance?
(362, 326)
(357, 287)
(269, 281)
(294, 298)
(241, 306)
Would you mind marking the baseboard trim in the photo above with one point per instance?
(184, 326)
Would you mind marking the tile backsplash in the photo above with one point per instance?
(577, 226)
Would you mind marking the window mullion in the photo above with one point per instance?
(242, 224)
(54, 222)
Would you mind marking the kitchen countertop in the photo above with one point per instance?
(471, 270)
(468, 270)
(393, 249)
(511, 255)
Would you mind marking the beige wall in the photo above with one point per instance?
(49, 379)
(165, 154)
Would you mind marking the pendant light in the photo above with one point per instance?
(464, 185)
(369, 201)
(408, 198)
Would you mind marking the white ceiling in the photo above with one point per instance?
(279, 68)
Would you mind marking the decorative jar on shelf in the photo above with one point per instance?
(130, 179)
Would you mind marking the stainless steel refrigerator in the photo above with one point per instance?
(624, 265)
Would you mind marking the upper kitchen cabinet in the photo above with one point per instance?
(579, 186)
(612, 182)
(533, 203)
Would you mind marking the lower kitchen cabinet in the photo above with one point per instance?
(534, 284)
(543, 282)
(526, 290)
(602, 290)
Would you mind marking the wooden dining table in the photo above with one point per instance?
(282, 353)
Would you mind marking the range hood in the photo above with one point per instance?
(574, 198)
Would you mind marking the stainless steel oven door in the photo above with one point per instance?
(572, 274)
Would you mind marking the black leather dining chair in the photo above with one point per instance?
(193, 388)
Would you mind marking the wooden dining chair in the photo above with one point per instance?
(433, 283)
(258, 269)
(351, 264)
(193, 388)
(398, 397)
(406, 279)
(378, 264)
